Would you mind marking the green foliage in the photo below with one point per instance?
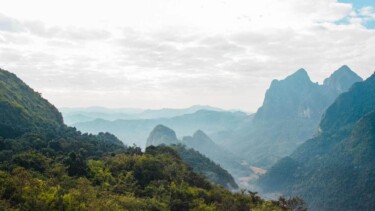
(96, 179)
(284, 169)
(218, 154)
(76, 165)
(335, 169)
(293, 204)
(24, 110)
(45, 165)
(32, 160)
(205, 166)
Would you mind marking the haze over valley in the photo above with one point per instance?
(187, 105)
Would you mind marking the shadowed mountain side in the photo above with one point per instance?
(290, 114)
(334, 171)
(204, 144)
(46, 165)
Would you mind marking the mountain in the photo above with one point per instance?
(203, 165)
(173, 112)
(334, 170)
(45, 165)
(198, 140)
(205, 145)
(22, 109)
(290, 114)
(341, 80)
(136, 131)
(293, 97)
(161, 135)
(78, 115)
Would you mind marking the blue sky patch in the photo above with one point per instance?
(357, 5)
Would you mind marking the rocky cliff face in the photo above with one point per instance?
(293, 97)
(298, 97)
(290, 114)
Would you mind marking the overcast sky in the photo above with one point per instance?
(174, 53)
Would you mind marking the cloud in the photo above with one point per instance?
(69, 33)
(38, 28)
(10, 24)
(174, 54)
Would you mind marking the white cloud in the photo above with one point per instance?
(367, 11)
(170, 53)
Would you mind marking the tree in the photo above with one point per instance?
(76, 165)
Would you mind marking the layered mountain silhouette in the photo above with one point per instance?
(205, 145)
(46, 165)
(77, 115)
(23, 110)
(136, 130)
(335, 170)
(38, 125)
(290, 114)
(162, 135)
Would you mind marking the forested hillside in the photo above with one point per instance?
(22, 109)
(165, 136)
(45, 165)
(207, 167)
(334, 171)
(201, 142)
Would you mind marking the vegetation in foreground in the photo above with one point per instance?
(45, 165)
(84, 172)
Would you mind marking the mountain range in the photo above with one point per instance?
(24, 111)
(290, 114)
(46, 165)
(136, 130)
(317, 141)
(78, 115)
(334, 170)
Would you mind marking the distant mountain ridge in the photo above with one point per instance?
(77, 115)
(334, 170)
(136, 131)
(290, 114)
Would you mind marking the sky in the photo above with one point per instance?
(178, 53)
